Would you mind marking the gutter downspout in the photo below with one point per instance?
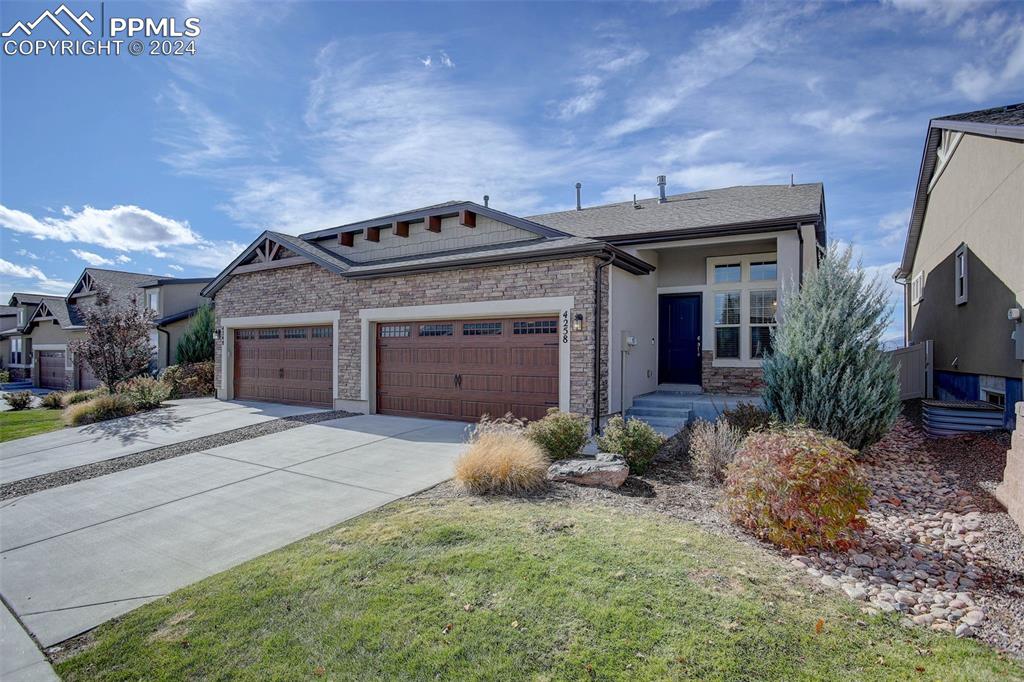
(597, 339)
(167, 349)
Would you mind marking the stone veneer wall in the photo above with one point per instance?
(1011, 491)
(736, 380)
(311, 288)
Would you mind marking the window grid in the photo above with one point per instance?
(761, 271)
(245, 333)
(265, 334)
(728, 272)
(390, 331)
(727, 324)
(295, 333)
(537, 327)
(322, 332)
(437, 329)
(481, 329)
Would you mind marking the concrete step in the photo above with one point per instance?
(17, 385)
(676, 422)
(653, 401)
(646, 411)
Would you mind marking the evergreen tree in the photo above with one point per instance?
(827, 368)
(196, 344)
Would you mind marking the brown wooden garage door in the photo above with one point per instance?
(284, 365)
(51, 369)
(463, 369)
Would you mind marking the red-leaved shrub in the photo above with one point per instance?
(797, 488)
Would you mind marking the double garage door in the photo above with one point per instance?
(463, 369)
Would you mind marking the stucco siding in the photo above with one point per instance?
(977, 200)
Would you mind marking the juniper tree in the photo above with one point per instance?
(826, 368)
(196, 344)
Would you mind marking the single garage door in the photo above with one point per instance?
(463, 369)
(284, 365)
(86, 379)
(51, 369)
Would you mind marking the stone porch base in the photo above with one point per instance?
(1010, 492)
(731, 380)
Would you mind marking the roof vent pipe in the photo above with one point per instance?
(661, 189)
(579, 206)
(791, 180)
(487, 200)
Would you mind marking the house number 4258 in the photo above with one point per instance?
(565, 326)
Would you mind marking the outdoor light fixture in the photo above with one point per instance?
(218, 334)
(577, 322)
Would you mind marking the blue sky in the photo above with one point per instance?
(297, 116)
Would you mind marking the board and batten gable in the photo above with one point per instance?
(976, 199)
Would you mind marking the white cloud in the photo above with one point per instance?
(92, 258)
(631, 57)
(176, 268)
(27, 254)
(204, 138)
(30, 279)
(979, 81)
(606, 61)
(446, 61)
(893, 226)
(944, 11)
(122, 258)
(844, 123)
(124, 228)
(427, 61)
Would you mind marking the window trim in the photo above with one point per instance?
(961, 273)
(738, 325)
(917, 288)
(768, 325)
(744, 286)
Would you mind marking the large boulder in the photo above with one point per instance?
(607, 470)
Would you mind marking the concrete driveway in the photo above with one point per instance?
(182, 420)
(75, 556)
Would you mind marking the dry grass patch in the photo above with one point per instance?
(499, 462)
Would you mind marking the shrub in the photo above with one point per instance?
(75, 397)
(194, 380)
(196, 344)
(116, 343)
(713, 445)
(5, 376)
(635, 440)
(502, 463)
(826, 368)
(19, 400)
(99, 409)
(797, 488)
(145, 393)
(508, 424)
(746, 418)
(561, 435)
(54, 400)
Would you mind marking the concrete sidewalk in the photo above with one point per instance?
(20, 658)
(75, 556)
(182, 420)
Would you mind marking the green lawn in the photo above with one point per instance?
(23, 423)
(505, 590)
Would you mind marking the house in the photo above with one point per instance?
(8, 325)
(457, 309)
(17, 342)
(50, 323)
(963, 262)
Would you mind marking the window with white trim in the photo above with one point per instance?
(727, 324)
(153, 300)
(21, 317)
(764, 303)
(917, 288)
(960, 283)
(16, 347)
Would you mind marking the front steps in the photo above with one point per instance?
(673, 406)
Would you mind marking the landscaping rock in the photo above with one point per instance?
(610, 472)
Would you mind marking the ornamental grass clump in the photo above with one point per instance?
(826, 368)
(502, 463)
(146, 393)
(635, 440)
(53, 400)
(100, 408)
(713, 446)
(19, 400)
(561, 435)
(797, 488)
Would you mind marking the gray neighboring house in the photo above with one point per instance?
(39, 347)
(8, 327)
(963, 263)
(456, 310)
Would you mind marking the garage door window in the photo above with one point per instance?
(269, 333)
(296, 333)
(436, 329)
(538, 327)
(321, 332)
(391, 331)
(481, 329)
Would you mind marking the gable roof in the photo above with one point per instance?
(719, 210)
(57, 307)
(8, 311)
(1006, 122)
(18, 299)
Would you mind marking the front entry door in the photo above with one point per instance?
(679, 343)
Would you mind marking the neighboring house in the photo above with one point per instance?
(17, 342)
(963, 263)
(53, 322)
(457, 310)
(8, 326)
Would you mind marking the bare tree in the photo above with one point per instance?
(116, 344)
